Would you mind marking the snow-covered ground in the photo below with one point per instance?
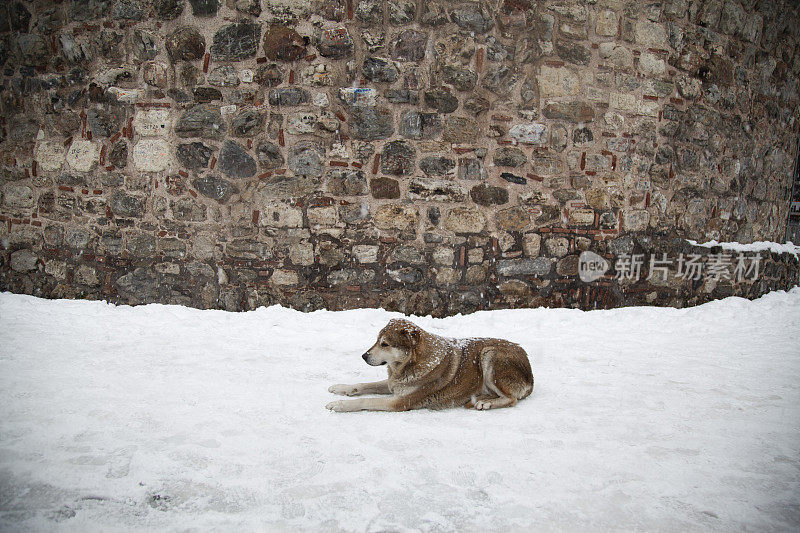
(167, 418)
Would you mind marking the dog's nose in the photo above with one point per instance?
(365, 357)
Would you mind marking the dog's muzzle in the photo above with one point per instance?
(365, 357)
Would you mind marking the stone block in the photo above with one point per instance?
(152, 155)
(465, 220)
(538, 266)
(152, 122)
(82, 155)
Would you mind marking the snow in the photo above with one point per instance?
(174, 419)
(758, 246)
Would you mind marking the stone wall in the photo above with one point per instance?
(426, 156)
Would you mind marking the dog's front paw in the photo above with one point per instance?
(346, 390)
(338, 406)
(483, 405)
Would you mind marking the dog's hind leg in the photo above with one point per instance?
(357, 389)
(499, 378)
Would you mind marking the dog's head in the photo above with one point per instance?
(395, 344)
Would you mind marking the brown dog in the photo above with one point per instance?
(429, 371)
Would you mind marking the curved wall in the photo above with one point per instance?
(431, 157)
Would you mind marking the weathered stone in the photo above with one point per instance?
(347, 182)
(127, 9)
(528, 133)
(472, 18)
(436, 190)
(268, 75)
(531, 244)
(247, 123)
(151, 155)
(289, 11)
(366, 253)
(288, 186)
(377, 69)
(224, 76)
(235, 42)
(557, 246)
(462, 79)
(235, 162)
(143, 45)
(573, 53)
(204, 8)
(248, 249)
(269, 155)
(401, 11)
(607, 23)
(546, 165)
(307, 158)
(618, 56)
(581, 217)
(204, 95)
(488, 195)
(17, 196)
(358, 96)
(416, 125)
(539, 266)
(289, 96)
(335, 43)
(152, 122)
(567, 266)
(500, 79)
(460, 130)
(391, 216)
(398, 158)
(436, 165)
(384, 188)
(203, 120)
(215, 188)
(186, 43)
(371, 124)
(23, 261)
(570, 111)
(82, 155)
(651, 64)
(127, 205)
(155, 74)
(496, 50)
(49, 155)
(118, 156)
(187, 210)
(369, 11)
(465, 220)
(471, 169)
(32, 50)
(651, 34)
(513, 219)
(103, 123)
(409, 46)
(509, 157)
(635, 219)
(281, 216)
(301, 122)
(443, 101)
(282, 43)
(167, 9)
(194, 156)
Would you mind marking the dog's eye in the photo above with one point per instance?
(384, 343)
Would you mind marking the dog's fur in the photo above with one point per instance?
(429, 371)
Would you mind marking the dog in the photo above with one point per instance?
(434, 372)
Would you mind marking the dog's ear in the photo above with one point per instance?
(411, 332)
